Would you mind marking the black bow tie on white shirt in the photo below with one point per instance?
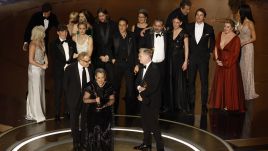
(45, 18)
(63, 41)
(144, 66)
(158, 35)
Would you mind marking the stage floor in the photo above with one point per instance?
(55, 136)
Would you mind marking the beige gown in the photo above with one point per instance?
(247, 64)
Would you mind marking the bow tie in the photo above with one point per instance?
(158, 35)
(45, 18)
(64, 41)
(144, 66)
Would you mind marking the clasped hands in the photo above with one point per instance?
(140, 89)
(219, 63)
(104, 58)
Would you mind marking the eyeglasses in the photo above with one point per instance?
(86, 61)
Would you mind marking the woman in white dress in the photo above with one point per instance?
(247, 37)
(38, 62)
(84, 42)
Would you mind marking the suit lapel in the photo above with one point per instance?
(77, 75)
(204, 32)
(129, 39)
(60, 47)
(148, 70)
(70, 50)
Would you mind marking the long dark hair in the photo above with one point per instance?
(88, 15)
(245, 12)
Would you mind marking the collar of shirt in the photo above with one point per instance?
(199, 25)
(147, 65)
(161, 33)
(80, 67)
(61, 39)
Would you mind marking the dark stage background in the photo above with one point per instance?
(14, 61)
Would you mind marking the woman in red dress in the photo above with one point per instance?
(227, 89)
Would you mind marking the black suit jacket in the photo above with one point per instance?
(201, 51)
(38, 19)
(152, 95)
(58, 55)
(72, 85)
(148, 40)
(103, 39)
(132, 57)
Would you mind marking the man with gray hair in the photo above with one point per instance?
(148, 86)
(75, 78)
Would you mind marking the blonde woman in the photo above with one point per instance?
(38, 63)
(84, 42)
(73, 20)
(84, 16)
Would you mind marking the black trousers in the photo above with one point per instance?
(58, 84)
(123, 70)
(203, 69)
(163, 76)
(150, 124)
(74, 119)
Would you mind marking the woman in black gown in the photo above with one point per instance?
(97, 114)
(178, 51)
(141, 24)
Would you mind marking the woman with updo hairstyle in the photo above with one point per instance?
(227, 91)
(38, 63)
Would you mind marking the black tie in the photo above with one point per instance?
(144, 66)
(158, 35)
(84, 77)
(63, 41)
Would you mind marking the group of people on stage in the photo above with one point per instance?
(91, 57)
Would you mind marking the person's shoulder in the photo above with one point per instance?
(131, 34)
(175, 11)
(208, 25)
(38, 14)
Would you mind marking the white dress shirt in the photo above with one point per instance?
(145, 69)
(198, 31)
(80, 69)
(159, 49)
(66, 49)
(46, 22)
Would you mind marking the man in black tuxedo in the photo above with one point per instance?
(103, 30)
(45, 18)
(62, 50)
(149, 86)
(182, 12)
(75, 78)
(201, 44)
(155, 39)
(125, 62)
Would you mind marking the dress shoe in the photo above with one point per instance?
(67, 115)
(143, 147)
